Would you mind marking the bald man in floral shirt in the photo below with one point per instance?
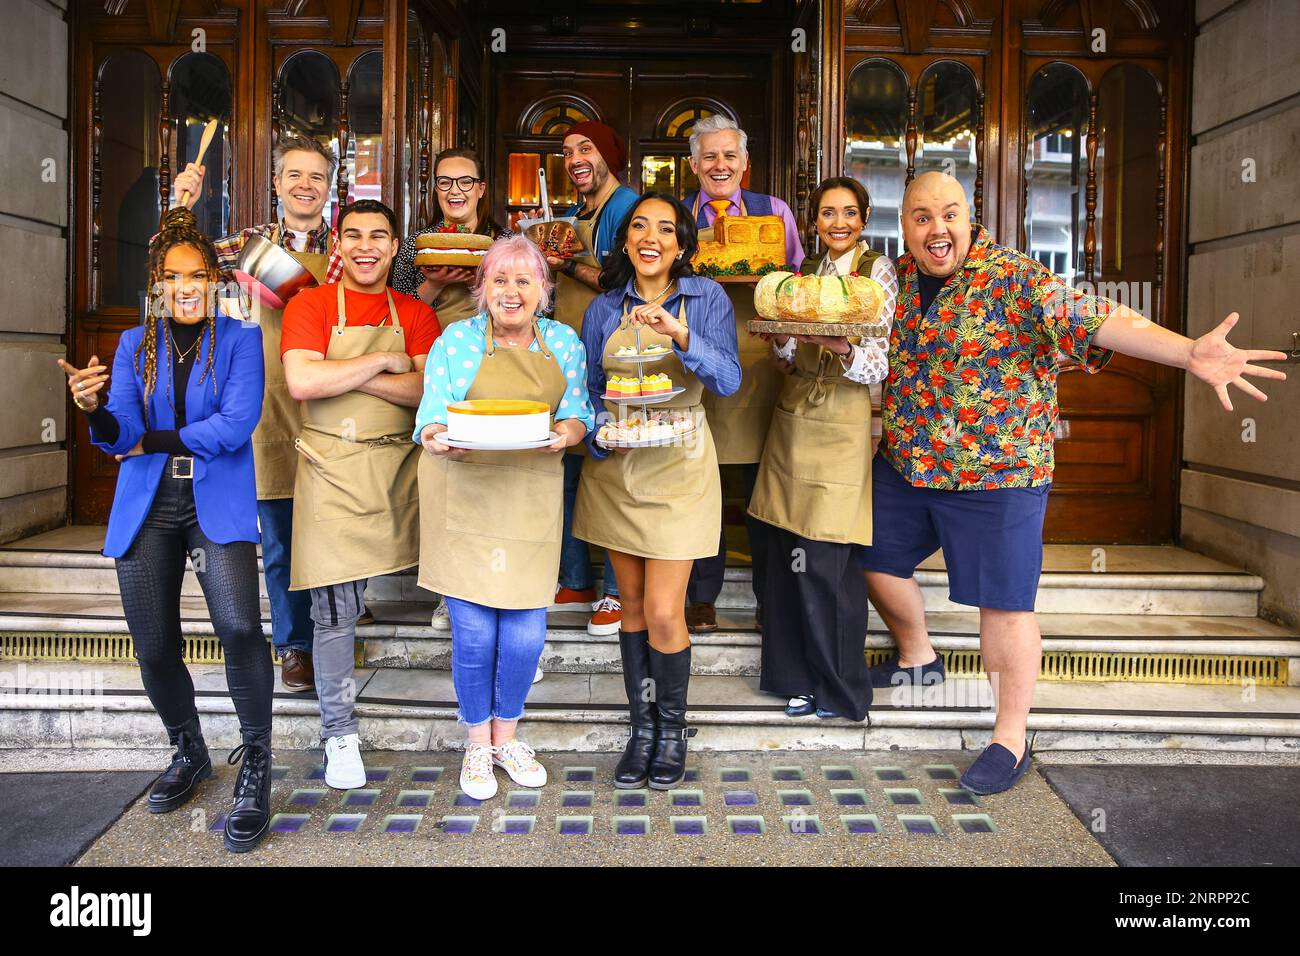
(968, 419)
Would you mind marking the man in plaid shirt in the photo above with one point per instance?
(304, 172)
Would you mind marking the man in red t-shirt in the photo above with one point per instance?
(356, 500)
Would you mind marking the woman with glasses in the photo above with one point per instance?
(463, 198)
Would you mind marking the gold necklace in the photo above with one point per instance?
(182, 356)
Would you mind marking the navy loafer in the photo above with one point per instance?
(885, 674)
(802, 708)
(995, 770)
(825, 714)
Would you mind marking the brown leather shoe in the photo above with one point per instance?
(296, 673)
(700, 618)
(366, 617)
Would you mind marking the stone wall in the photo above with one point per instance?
(34, 171)
(1240, 488)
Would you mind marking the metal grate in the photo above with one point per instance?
(1118, 666)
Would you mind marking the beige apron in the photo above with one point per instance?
(815, 477)
(490, 522)
(572, 296)
(663, 503)
(455, 302)
(355, 502)
(274, 458)
(740, 420)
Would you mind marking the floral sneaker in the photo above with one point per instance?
(516, 758)
(477, 779)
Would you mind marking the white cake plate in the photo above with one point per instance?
(643, 359)
(642, 400)
(442, 439)
(648, 442)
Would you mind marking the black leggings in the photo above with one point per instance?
(149, 576)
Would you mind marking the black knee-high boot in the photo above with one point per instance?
(671, 674)
(634, 766)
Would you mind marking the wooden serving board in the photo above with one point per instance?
(868, 330)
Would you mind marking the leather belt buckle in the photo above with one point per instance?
(182, 466)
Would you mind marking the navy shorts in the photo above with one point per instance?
(992, 539)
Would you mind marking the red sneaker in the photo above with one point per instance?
(567, 599)
(607, 617)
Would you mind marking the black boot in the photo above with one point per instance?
(250, 816)
(671, 674)
(634, 766)
(190, 766)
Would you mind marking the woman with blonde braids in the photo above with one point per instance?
(186, 395)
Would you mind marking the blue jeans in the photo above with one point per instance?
(291, 627)
(494, 657)
(575, 557)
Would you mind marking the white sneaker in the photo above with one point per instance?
(516, 758)
(441, 617)
(606, 617)
(343, 767)
(476, 777)
(539, 675)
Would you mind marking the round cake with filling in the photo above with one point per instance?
(498, 421)
(456, 248)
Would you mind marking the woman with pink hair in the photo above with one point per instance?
(490, 520)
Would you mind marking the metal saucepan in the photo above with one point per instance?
(270, 274)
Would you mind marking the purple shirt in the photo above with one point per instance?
(793, 250)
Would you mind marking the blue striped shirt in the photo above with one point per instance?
(458, 353)
(711, 354)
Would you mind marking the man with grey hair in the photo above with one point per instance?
(966, 458)
(739, 422)
(304, 175)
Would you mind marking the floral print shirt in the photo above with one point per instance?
(970, 400)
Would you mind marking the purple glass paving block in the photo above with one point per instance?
(796, 799)
(740, 798)
(941, 773)
(839, 773)
(861, 826)
(904, 799)
(787, 773)
(630, 799)
(459, 825)
(804, 826)
(580, 775)
(975, 826)
(344, 824)
(688, 827)
(890, 775)
(317, 774)
(377, 776)
(286, 823)
(692, 776)
(426, 775)
(516, 825)
(920, 826)
(305, 799)
(851, 799)
(360, 798)
(465, 800)
(279, 773)
(522, 800)
(735, 776)
(415, 800)
(219, 823)
(402, 825)
(747, 827)
(630, 827)
(577, 800)
(960, 797)
(686, 799)
(575, 827)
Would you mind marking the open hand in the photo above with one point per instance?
(1219, 364)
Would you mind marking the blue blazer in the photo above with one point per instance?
(219, 433)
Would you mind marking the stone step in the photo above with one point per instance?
(402, 638)
(83, 706)
(1171, 582)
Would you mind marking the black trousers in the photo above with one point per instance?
(149, 576)
(815, 624)
(707, 573)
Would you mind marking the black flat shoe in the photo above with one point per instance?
(190, 766)
(888, 674)
(805, 706)
(250, 815)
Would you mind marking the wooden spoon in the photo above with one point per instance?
(209, 131)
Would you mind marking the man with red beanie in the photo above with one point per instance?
(594, 157)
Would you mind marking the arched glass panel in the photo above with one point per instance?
(365, 121)
(947, 104)
(875, 118)
(1056, 169)
(200, 91)
(309, 104)
(130, 97)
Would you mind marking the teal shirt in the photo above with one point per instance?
(458, 352)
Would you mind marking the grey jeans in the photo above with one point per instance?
(334, 611)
